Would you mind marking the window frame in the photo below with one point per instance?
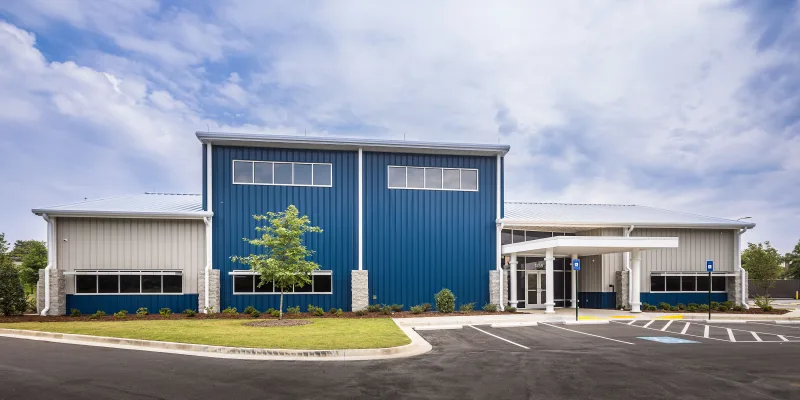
(118, 274)
(244, 272)
(681, 275)
(424, 178)
(292, 163)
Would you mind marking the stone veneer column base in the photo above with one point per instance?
(213, 292)
(621, 287)
(734, 288)
(359, 286)
(58, 296)
(494, 286)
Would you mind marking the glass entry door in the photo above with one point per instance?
(535, 289)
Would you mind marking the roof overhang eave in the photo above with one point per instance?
(590, 245)
(594, 225)
(122, 214)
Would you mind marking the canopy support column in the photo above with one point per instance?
(636, 280)
(548, 291)
(512, 287)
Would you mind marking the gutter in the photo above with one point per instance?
(123, 214)
(595, 225)
(498, 253)
(49, 266)
(627, 233)
(742, 271)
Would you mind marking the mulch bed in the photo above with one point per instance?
(264, 316)
(775, 311)
(276, 322)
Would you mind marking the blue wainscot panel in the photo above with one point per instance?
(89, 304)
(334, 209)
(597, 300)
(674, 299)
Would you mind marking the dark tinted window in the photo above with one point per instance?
(657, 283)
(533, 235)
(262, 172)
(305, 289)
(322, 175)
(242, 172)
(85, 283)
(687, 283)
(108, 284)
(673, 283)
(518, 236)
(702, 283)
(718, 283)
(558, 285)
(242, 283)
(265, 288)
(505, 236)
(302, 174)
(173, 283)
(151, 283)
(322, 283)
(129, 283)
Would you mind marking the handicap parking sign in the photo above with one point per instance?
(710, 266)
(576, 264)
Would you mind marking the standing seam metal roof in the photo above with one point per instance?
(610, 215)
(142, 204)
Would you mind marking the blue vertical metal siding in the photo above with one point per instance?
(89, 304)
(502, 187)
(597, 300)
(417, 242)
(334, 209)
(653, 298)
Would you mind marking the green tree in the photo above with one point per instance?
(35, 258)
(763, 265)
(23, 247)
(793, 262)
(283, 260)
(12, 296)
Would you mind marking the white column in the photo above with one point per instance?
(636, 279)
(548, 279)
(512, 283)
(574, 275)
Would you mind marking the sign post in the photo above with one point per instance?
(709, 268)
(576, 266)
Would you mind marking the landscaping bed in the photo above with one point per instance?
(726, 307)
(322, 334)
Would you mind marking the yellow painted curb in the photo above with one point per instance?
(670, 317)
(589, 318)
(622, 316)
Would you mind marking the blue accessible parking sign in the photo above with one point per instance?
(709, 266)
(576, 264)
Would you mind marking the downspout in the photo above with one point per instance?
(499, 254)
(209, 230)
(47, 269)
(207, 221)
(627, 233)
(742, 272)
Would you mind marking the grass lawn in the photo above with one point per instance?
(320, 335)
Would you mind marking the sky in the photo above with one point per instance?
(692, 106)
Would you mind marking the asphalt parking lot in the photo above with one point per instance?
(548, 361)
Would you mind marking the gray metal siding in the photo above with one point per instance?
(89, 243)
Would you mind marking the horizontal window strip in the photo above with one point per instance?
(281, 173)
(247, 282)
(432, 178)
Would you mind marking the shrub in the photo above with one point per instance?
(230, 311)
(467, 307)
(293, 310)
(74, 312)
(425, 307)
(374, 307)
(255, 314)
(269, 311)
(361, 313)
(418, 310)
(728, 304)
(663, 305)
(445, 301)
(12, 294)
(386, 310)
(645, 306)
(681, 306)
(490, 307)
(511, 309)
(142, 311)
(121, 314)
(189, 313)
(714, 305)
(397, 307)
(339, 312)
(767, 308)
(98, 314)
(691, 307)
(209, 309)
(317, 311)
(674, 308)
(703, 307)
(165, 312)
(652, 308)
(276, 313)
(763, 302)
(249, 310)
(332, 311)
(737, 308)
(722, 308)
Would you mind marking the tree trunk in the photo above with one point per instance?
(280, 307)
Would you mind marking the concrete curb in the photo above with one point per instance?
(513, 324)
(417, 346)
(725, 321)
(437, 327)
(787, 322)
(588, 322)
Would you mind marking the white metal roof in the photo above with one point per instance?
(341, 143)
(608, 215)
(141, 205)
(565, 246)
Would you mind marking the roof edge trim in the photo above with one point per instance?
(122, 214)
(519, 222)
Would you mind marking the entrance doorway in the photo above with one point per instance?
(535, 289)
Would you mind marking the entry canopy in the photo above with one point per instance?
(565, 246)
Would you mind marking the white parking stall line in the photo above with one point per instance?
(776, 324)
(666, 326)
(685, 328)
(685, 334)
(632, 321)
(783, 338)
(588, 334)
(730, 335)
(498, 337)
(705, 331)
(647, 325)
(749, 330)
(755, 335)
